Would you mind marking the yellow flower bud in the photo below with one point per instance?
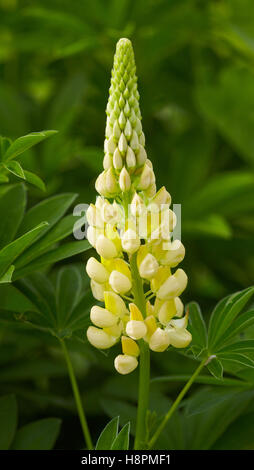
(130, 158)
(161, 197)
(109, 212)
(105, 247)
(151, 326)
(99, 338)
(92, 234)
(137, 205)
(102, 317)
(135, 313)
(130, 241)
(115, 304)
(117, 160)
(119, 282)
(174, 253)
(97, 271)
(159, 340)
(125, 364)
(111, 182)
(136, 329)
(129, 346)
(100, 184)
(179, 338)
(146, 178)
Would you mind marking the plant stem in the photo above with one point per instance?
(176, 403)
(77, 397)
(144, 364)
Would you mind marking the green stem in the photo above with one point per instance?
(176, 403)
(77, 397)
(144, 363)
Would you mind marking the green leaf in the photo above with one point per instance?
(108, 435)
(4, 144)
(34, 179)
(208, 398)
(10, 252)
(202, 379)
(51, 209)
(215, 368)
(238, 436)
(238, 358)
(40, 435)
(241, 323)
(25, 142)
(197, 326)
(246, 346)
(121, 442)
(61, 230)
(224, 314)
(14, 300)
(15, 168)
(12, 197)
(68, 290)
(8, 420)
(62, 252)
(7, 276)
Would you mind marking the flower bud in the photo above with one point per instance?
(130, 241)
(130, 158)
(134, 143)
(117, 160)
(145, 178)
(173, 286)
(119, 282)
(125, 364)
(110, 145)
(99, 338)
(148, 267)
(122, 144)
(109, 212)
(115, 304)
(102, 317)
(97, 290)
(97, 271)
(179, 338)
(111, 182)
(124, 180)
(100, 184)
(105, 247)
(136, 329)
(137, 205)
(141, 156)
(129, 346)
(159, 340)
(161, 197)
(107, 161)
(180, 323)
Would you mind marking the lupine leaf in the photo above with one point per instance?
(39, 435)
(13, 197)
(215, 368)
(8, 420)
(108, 435)
(121, 442)
(197, 326)
(23, 143)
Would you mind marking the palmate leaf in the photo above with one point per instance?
(215, 367)
(121, 441)
(197, 328)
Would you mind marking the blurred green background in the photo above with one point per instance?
(195, 63)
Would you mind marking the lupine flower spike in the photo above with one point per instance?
(131, 218)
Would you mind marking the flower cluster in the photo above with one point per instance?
(132, 220)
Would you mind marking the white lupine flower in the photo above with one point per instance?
(93, 217)
(105, 247)
(136, 329)
(99, 338)
(119, 282)
(179, 338)
(148, 267)
(102, 317)
(124, 180)
(173, 286)
(97, 290)
(125, 364)
(159, 340)
(145, 237)
(174, 254)
(92, 234)
(130, 241)
(97, 271)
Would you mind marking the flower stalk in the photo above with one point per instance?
(130, 227)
